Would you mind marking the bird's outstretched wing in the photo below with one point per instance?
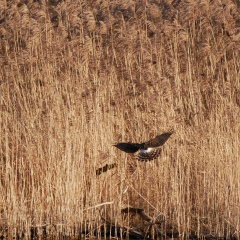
(149, 154)
(158, 140)
(128, 147)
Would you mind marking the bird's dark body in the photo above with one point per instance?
(148, 150)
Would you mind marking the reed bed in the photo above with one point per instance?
(77, 76)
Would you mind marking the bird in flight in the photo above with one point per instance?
(146, 151)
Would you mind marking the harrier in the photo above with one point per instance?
(146, 151)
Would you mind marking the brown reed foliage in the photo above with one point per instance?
(79, 75)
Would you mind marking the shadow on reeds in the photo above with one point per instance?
(105, 168)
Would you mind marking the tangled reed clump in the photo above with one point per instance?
(76, 75)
